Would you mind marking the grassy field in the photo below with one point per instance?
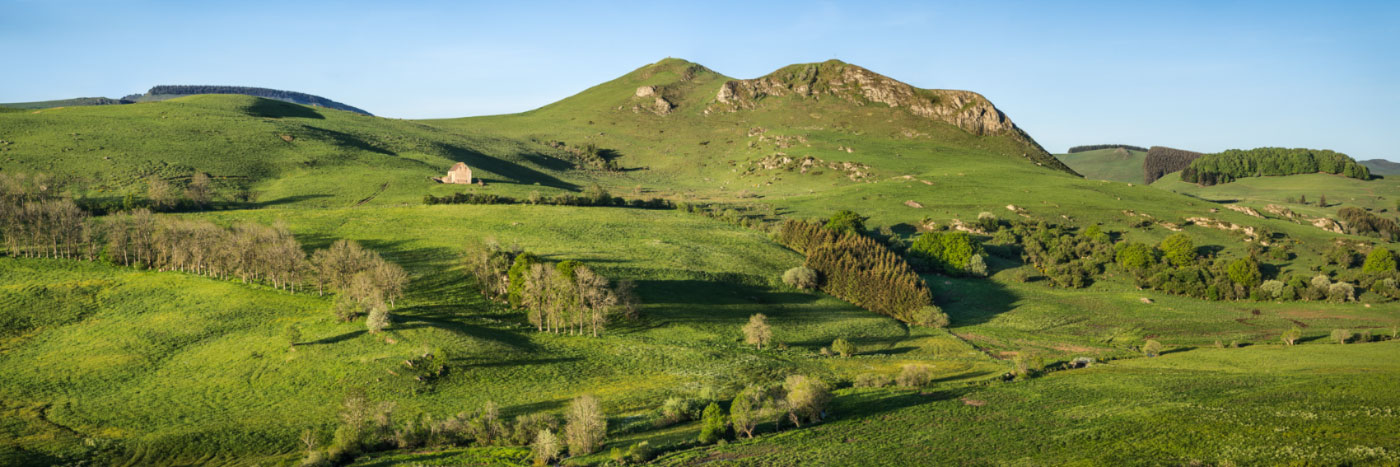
(130, 367)
(1119, 165)
(1315, 404)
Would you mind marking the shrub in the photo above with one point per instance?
(947, 252)
(1152, 348)
(378, 319)
(1272, 288)
(977, 266)
(845, 221)
(676, 410)
(930, 315)
(801, 277)
(1380, 260)
(988, 222)
(1179, 250)
(1291, 336)
(843, 347)
(914, 375)
(1341, 292)
(1134, 256)
(872, 380)
(1245, 272)
(528, 426)
(1341, 336)
(712, 424)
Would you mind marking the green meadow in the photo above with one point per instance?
(110, 365)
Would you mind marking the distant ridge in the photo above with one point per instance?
(1382, 167)
(163, 92)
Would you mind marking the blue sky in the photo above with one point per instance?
(1197, 75)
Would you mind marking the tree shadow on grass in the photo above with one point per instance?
(518, 173)
(335, 339)
(270, 108)
(970, 301)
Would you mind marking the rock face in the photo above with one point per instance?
(459, 174)
(834, 79)
(967, 110)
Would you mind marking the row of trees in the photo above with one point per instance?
(368, 426)
(1164, 160)
(588, 198)
(1095, 147)
(1233, 164)
(862, 271)
(558, 297)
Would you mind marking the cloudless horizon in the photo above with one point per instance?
(1204, 76)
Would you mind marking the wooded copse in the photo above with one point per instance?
(1233, 164)
(1163, 160)
(567, 296)
(36, 223)
(860, 270)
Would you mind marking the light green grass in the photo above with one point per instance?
(1107, 164)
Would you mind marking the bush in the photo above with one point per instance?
(914, 375)
(807, 398)
(947, 252)
(676, 410)
(1245, 272)
(845, 221)
(843, 347)
(1152, 348)
(1179, 250)
(801, 277)
(1341, 336)
(1134, 256)
(1341, 292)
(1272, 288)
(931, 316)
(1380, 260)
(1291, 336)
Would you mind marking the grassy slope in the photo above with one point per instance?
(1107, 164)
(1268, 405)
(74, 102)
(1381, 196)
(700, 278)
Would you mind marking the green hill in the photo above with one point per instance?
(1382, 167)
(114, 365)
(1116, 164)
(75, 102)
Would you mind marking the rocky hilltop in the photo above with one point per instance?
(965, 109)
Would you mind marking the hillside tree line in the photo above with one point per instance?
(1234, 164)
(1096, 147)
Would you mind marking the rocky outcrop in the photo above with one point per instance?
(967, 110)
(852, 170)
(1328, 225)
(1246, 210)
(833, 79)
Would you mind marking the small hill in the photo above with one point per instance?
(1382, 167)
(164, 92)
(1120, 164)
(75, 102)
(160, 93)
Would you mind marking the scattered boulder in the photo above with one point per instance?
(1246, 210)
(646, 91)
(913, 204)
(1145, 300)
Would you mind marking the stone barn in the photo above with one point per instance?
(459, 174)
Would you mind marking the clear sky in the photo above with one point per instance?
(1196, 75)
